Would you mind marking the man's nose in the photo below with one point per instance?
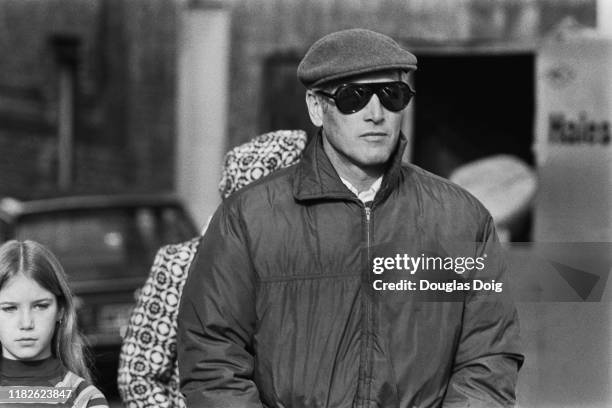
(374, 110)
(26, 320)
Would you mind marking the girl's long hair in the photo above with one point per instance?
(36, 262)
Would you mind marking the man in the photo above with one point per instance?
(282, 309)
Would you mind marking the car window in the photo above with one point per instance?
(103, 243)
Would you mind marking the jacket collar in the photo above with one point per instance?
(316, 178)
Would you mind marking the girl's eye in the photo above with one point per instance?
(9, 308)
(41, 306)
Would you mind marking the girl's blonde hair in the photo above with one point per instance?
(36, 262)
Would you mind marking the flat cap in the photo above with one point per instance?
(352, 52)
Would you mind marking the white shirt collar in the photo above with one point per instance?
(367, 195)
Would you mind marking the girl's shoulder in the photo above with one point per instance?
(83, 393)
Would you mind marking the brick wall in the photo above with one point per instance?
(125, 95)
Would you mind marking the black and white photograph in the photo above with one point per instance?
(305, 204)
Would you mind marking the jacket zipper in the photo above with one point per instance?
(368, 213)
(365, 392)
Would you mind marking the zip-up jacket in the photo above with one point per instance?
(282, 307)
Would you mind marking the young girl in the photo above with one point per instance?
(42, 352)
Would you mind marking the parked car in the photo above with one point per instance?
(106, 245)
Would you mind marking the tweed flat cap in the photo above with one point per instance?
(352, 52)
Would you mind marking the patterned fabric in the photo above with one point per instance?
(148, 373)
(148, 370)
(259, 157)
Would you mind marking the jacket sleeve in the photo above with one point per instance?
(488, 355)
(217, 318)
(147, 363)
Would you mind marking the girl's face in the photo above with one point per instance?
(28, 313)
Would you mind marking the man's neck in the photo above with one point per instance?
(361, 178)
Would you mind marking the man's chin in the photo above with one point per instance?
(375, 160)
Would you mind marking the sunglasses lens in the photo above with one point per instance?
(395, 96)
(352, 98)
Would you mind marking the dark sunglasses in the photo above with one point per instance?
(351, 98)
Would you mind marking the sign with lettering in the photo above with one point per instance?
(573, 145)
(567, 130)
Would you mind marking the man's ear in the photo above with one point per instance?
(315, 108)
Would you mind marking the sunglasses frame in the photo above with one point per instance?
(372, 88)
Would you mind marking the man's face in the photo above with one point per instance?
(366, 138)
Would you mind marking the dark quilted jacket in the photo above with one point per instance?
(279, 310)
